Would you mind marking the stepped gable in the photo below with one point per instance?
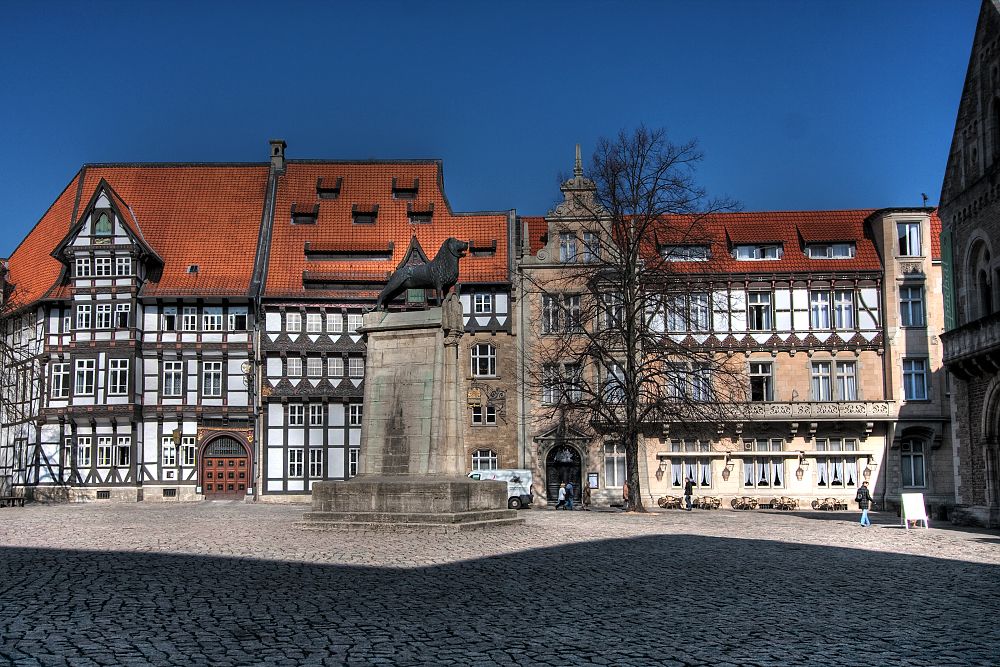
(368, 218)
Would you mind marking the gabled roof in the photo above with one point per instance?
(363, 185)
(201, 214)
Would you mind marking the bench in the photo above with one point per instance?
(10, 501)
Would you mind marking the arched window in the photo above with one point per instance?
(912, 462)
(103, 225)
(980, 282)
(484, 360)
(484, 459)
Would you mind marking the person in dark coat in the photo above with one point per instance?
(688, 491)
(864, 499)
(569, 495)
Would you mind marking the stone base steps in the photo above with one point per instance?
(434, 522)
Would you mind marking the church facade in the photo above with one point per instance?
(970, 213)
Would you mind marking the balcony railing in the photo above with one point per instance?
(819, 410)
(973, 348)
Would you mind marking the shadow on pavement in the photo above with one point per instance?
(657, 600)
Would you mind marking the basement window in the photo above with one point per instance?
(104, 495)
(328, 189)
(169, 493)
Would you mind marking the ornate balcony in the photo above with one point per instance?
(819, 410)
(973, 349)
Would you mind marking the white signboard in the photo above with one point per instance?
(913, 509)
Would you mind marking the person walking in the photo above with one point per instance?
(562, 497)
(625, 505)
(569, 495)
(864, 499)
(688, 490)
(586, 497)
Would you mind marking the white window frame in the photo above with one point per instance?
(123, 265)
(819, 309)
(316, 414)
(485, 459)
(296, 414)
(482, 303)
(293, 367)
(105, 451)
(316, 463)
(763, 464)
(484, 360)
(843, 309)
(102, 316)
(189, 451)
(758, 252)
(908, 234)
(484, 415)
(355, 414)
(356, 367)
(102, 267)
(234, 317)
(168, 452)
(118, 375)
(122, 312)
(567, 247)
(314, 367)
(83, 312)
(846, 380)
(821, 380)
(295, 462)
(173, 378)
(211, 319)
(354, 322)
(314, 323)
(60, 380)
(760, 303)
(189, 319)
(353, 461)
(836, 471)
(763, 373)
(335, 367)
(293, 322)
(84, 451)
(85, 370)
(211, 379)
(83, 269)
(334, 323)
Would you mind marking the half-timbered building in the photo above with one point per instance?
(831, 317)
(187, 331)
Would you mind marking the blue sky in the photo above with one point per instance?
(797, 105)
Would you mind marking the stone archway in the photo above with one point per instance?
(563, 464)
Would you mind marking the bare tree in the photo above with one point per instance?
(635, 238)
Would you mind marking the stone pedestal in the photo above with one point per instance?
(412, 447)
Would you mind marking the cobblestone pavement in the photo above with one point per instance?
(237, 584)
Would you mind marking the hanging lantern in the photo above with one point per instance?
(799, 473)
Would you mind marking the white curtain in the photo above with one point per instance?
(676, 475)
(821, 471)
(837, 476)
(706, 473)
(762, 466)
(852, 472)
(748, 472)
(778, 473)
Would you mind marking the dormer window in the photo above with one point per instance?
(758, 251)
(328, 189)
(304, 215)
(830, 250)
(103, 225)
(405, 188)
(685, 253)
(364, 215)
(420, 214)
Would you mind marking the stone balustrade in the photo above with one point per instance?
(973, 348)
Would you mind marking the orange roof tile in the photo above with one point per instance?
(364, 185)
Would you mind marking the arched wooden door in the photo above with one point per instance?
(562, 465)
(225, 469)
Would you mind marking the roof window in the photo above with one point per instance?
(328, 189)
(763, 251)
(481, 249)
(364, 214)
(685, 253)
(420, 214)
(192, 268)
(302, 215)
(830, 250)
(405, 188)
(320, 253)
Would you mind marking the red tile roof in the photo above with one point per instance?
(207, 215)
(935, 235)
(364, 185)
(537, 230)
(791, 228)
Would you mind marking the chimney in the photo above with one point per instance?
(278, 155)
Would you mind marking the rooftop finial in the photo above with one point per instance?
(578, 167)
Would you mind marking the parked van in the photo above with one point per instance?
(518, 485)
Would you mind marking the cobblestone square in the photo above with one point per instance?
(239, 584)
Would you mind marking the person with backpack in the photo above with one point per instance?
(569, 495)
(864, 499)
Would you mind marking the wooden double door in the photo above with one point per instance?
(225, 469)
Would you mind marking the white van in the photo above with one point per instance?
(518, 485)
